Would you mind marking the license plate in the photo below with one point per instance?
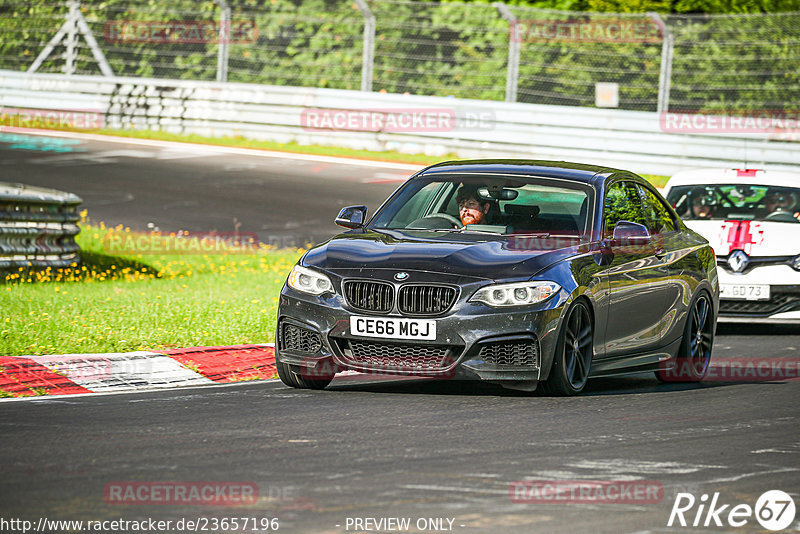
(393, 328)
(744, 291)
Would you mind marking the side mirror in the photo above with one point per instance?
(352, 217)
(630, 233)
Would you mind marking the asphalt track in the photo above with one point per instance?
(368, 448)
(285, 201)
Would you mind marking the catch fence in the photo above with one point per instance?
(644, 62)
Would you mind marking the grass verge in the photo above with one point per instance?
(119, 303)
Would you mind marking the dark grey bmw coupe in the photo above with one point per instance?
(523, 273)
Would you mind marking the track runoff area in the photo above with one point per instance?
(372, 454)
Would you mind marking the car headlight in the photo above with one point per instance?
(308, 281)
(796, 263)
(519, 294)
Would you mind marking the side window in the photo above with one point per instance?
(622, 203)
(661, 221)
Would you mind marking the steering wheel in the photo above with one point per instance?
(434, 221)
(780, 216)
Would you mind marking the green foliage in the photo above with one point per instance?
(444, 49)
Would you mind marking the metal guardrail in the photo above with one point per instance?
(635, 140)
(37, 227)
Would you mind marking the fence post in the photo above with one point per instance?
(74, 23)
(70, 54)
(224, 40)
(512, 75)
(665, 75)
(368, 56)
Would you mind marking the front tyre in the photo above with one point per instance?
(574, 350)
(300, 377)
(694, 354)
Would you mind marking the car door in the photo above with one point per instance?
(670, 247)
(635, 278)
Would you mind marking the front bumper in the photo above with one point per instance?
(783, 305)
(473, 341)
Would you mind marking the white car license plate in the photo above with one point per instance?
(744, 291)
(393, 327)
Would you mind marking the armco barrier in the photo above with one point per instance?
(627, 139)
(37, 227)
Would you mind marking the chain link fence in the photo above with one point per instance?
(483, 51)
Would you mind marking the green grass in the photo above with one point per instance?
(296, 148)
(125, 303)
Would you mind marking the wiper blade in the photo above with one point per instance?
(471, 231)
(541, 235)
(430, 229)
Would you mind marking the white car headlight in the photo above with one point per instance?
(308, 281)
(796, 263)
(519, 294)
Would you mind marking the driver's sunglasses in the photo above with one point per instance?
(471, 205)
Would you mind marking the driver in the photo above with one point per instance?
(777, 201)
(703, 204)
(471, 208)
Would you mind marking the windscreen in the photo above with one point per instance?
(737, 202)
(489, 204)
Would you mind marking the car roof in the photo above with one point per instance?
(734, 177)
(549, 169)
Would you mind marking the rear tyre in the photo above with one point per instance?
(574, 350)
(694, 354)
(300, 377)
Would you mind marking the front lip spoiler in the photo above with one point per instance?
(498, 374)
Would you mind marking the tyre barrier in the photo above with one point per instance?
(37, 227)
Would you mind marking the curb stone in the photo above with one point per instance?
(69, 374)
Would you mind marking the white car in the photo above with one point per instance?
(752, 220)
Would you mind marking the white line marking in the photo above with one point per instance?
(61, 398)
(222, 149)
(459, 489)
(747, 475)
(625, 466)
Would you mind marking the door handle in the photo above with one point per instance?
(660, 253)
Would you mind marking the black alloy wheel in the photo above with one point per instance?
(694, 356)
(573, 358)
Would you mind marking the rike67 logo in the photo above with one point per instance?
(774, 510)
